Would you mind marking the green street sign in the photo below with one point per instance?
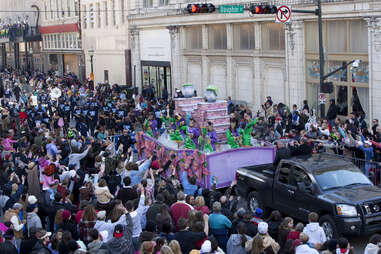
(231, 9)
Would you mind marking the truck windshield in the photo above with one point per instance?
(340, 177)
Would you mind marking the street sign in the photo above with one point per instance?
(322, 98)
(284, 14)
(231, 9)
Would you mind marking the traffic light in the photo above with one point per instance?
(200, 8)
(263, 9)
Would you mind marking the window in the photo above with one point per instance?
(147, 4)
(98, 15)
(58, 40)
(46, 11)
(243, 36)
(92, 16)
(84, 17)
(358, 36)
(68, 8)
(106, 79)
(217, 37)
(66, 40)
(122, 11)
(300, 176)
(284, 172)
(113, 12)
(58, 11)
(71, 43)
(312, 37)
(163, 2)
(273, 36)
(106, 13)
(193, 37)
(51, 9)
(76, 11)
(337, 36)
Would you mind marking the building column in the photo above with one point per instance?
(258, 93)
(174, 32)
(230, 82)
(204, 61)
(135, 57)
(295, 64)
(374, 56)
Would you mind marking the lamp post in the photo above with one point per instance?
(91, 54)
(31, 56)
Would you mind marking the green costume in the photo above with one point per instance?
(231, 140)
(189, 144)
(176, 136)
(246, 133)
(148, 128)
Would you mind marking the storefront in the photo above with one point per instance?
(156, 60)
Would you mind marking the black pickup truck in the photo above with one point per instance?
(345, 199)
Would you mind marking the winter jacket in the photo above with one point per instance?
(315, 233)
(32, 220)
(234, 245)
(34, 182)
(121, 245)
(124, 220)
(40, 248)
(75, 158)
(103, 194)
(305, 249)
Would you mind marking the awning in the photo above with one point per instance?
(65, 28)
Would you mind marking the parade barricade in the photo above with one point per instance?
(206, 166)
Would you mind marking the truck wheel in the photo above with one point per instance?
(329, 227)
(253, 202)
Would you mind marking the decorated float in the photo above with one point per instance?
(210, 150)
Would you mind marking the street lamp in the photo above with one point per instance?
(31, 56)
(91, 54)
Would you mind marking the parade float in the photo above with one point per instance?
(207, 160)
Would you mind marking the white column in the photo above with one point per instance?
(295, 64)
(258, 93)
(174, 32)
(374, 52)
(230, 84)
(135, 56)
(204, 61)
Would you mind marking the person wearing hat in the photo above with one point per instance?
(27, 244)
(9, 245)
(367, 148)
(268, 241)
(43, 239)
(121, 242)
(32, 219)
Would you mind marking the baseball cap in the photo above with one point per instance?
(42, 234)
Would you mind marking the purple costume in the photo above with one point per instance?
(195, 132)
(213, 138)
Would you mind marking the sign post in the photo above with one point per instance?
(231, 9)
(283, 14)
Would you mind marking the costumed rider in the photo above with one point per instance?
(191, 134)
(246, 129)
(232, 134)
(208, 139)
(150, 126)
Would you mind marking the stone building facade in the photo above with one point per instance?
(250, 57)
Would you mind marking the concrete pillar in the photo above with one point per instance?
(295, 64)
(258, 93)
(374, 55)
(174, 32)
(135, 57)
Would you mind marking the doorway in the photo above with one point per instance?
(157, 74)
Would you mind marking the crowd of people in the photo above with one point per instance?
(71, 180)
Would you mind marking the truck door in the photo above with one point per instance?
(303, 199)
(283, 190)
